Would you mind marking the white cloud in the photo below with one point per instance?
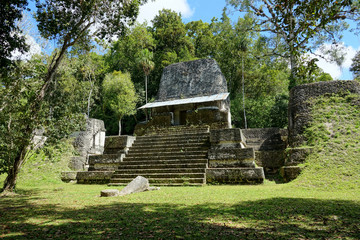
(34, 48)
(332, 68)
(152, 8)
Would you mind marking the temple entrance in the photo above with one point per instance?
(182, 117)
(179, 118)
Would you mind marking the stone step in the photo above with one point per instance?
(171, 149)
(170, 161)
(170, 144)
(165, 165)
(267, 147)
(174, 136)
(118, 172)
(157, 175)
(199, 153)
(155, 181)
(114, 151)
(103, 156)
(170, 157)
(179, 130)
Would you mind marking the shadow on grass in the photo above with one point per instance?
(276, 218)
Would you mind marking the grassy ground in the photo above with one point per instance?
(269, 211)
(323, 203)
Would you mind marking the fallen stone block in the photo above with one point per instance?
(109, 193)
(68, 176)
(153, 189)
(139, 184)
(289, 173)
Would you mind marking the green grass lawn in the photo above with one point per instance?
(269, 211)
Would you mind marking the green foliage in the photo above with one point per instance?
(335, 136)
(71, 20)
(11, 38)
(119, 94)
(301, 25)
(58, 114)
(355, 66)
(172, 43)
(124, 54)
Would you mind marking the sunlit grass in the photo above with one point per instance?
(270, 211)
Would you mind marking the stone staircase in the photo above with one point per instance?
(269, 145)
(175, 157)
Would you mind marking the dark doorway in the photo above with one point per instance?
(182, 117)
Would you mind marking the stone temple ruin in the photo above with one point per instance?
(188, 139)
(190, 94)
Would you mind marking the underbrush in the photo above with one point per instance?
(45, 165)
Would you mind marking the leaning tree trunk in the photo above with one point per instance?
(10, 181)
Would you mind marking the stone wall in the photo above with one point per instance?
(88, 142)
(300, 106)
(269, 145)
(213, 114)
(299, 116)
(230, 162)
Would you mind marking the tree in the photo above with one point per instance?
(202, 37)
(68, 23)
(11, 38)
(124, 53)
(119, 95)
(144, 59)
(355, 66)
(172, 43)
(301, 24)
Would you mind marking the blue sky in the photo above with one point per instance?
(205, 10)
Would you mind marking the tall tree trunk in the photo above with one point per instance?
(119, 126)
(146, 89)
(243, 88)
(89, 101)
(293, 63)
(10, 181)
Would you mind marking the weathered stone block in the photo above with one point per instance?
(290, 172)
(94, 177)
(231, 163)
(232, 153)
(153, 125)
(207, 116)
(270, 159)
(109, 193)
(297, 156)
(92, 140)
(225, 136)
(139, 184)
(119, 142)
(77, 163)
(235, 175)
(68, 176)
